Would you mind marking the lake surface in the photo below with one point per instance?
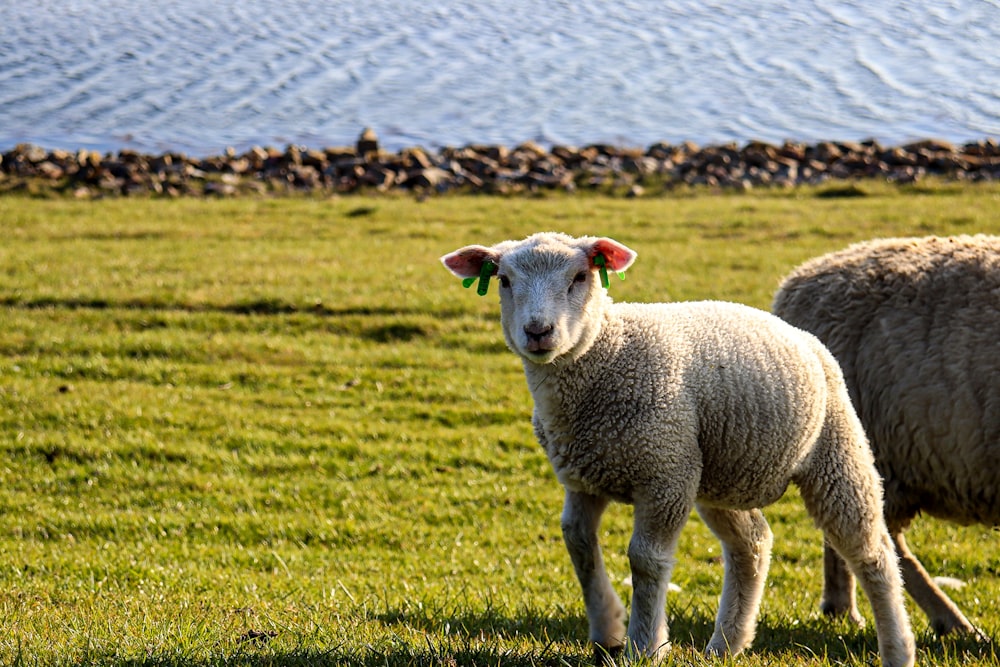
(199, 76)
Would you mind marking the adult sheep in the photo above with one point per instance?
(915, 325)
(709, 405)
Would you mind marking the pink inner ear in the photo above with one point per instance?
(617, 256)
(468, 261)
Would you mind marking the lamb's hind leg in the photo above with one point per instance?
(843, 493)
(746, 553)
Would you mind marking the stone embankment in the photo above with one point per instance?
(489, 168)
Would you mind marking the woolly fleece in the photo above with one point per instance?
(708, 405)
(915, 325)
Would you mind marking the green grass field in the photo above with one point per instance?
(278, 432)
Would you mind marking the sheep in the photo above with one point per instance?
(914, 324)
(707, 405)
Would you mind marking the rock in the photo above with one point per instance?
(416, 157)
(219, 189)
(368, 144)
(32, 153)
(932, 145)
(432, 177)
(256, 156)
(51, 170)
(792, 151)
(986, 148)
(898, 157)
(379, 177)
(531, 148)
(490, 168)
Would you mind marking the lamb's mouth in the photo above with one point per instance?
(540, 346)
(540, 355)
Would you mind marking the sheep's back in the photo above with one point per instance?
(915, 325)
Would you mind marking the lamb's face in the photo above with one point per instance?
(550, 297)
(546, 292)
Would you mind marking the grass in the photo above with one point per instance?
(277, 432)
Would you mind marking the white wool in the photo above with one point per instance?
(672, 407)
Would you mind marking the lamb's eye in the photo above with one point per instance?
(580, 277)
(504, 281)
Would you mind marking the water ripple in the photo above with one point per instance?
(198, 76)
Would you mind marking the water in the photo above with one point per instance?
(199, 76)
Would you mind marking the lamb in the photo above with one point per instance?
(914, 324)
(708, 405)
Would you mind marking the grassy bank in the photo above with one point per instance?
(264, 432)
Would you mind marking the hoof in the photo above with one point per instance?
(852, 616)
(960, 626)
(605, 656)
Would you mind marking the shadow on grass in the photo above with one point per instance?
(535, 639)
(838, 642)
(258, 306)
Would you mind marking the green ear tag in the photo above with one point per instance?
(467, 282)
(602, 265)
(484, 277)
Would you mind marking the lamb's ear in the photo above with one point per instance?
(468, 262)
(617, 257)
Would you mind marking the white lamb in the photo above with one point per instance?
(915, 325)
(709, 405)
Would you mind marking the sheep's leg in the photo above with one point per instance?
(873, 561)
(746, 553)
(944, 615)
(839, 591)
(605, 611)
(843, 493)
(651, 557)
(839, 597)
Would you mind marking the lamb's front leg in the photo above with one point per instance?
(651, 556)
(605, 611)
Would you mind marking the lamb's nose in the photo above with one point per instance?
(537, 331)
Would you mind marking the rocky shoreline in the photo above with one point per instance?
(365, 167)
